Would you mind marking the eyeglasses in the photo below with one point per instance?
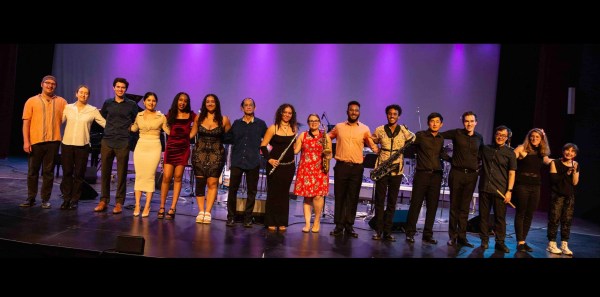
(502, 136)
(314, 121)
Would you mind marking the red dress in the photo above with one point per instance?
(177, 151)
(310, 180)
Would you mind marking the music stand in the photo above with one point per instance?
(369, 162)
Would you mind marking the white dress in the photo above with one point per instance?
(146, 155)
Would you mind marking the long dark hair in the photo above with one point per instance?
(279, 116)
(204, 110)
(172, 115)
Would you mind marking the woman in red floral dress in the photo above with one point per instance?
(312, 182)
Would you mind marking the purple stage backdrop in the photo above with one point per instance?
(315, 78)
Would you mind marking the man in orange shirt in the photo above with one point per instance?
(351, 136)
(42, 117)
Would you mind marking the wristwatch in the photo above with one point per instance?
(510, 190)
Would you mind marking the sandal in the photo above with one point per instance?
(161, 213)
(207, 218)
(171, 214)
(200, 217)
(272, 228)
(282, 228)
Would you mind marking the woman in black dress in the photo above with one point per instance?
(280, 166)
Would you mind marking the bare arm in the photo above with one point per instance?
(547, 160)
(266, 139)
(511, 184)
(369, 141)
(520, 152)
(26, 142)
(226, 124)
(165, 127)
(298, 144)
(575, 173)
(194, 130)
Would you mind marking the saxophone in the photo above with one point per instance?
(324, 154)
(388, 165)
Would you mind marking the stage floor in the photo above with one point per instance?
(37, 232)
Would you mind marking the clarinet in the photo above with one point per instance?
(283, 154)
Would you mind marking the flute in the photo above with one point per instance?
(283, 154)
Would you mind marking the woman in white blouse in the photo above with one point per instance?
(75, 146)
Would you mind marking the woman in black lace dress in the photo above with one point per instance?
(209, 154)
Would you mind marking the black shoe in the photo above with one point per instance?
(465, 243)
(528, 248)
(350, 232)
(336, 232)
(248, 224)
(485, 244)
(230, 223)
(451, 242)
(428, 240)
(27, 203)
(389, 237)
(410, 239)
(521, 248)
(502, 247)
(376, 236)
(65, 204)
(73, 205)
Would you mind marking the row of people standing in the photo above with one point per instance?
(47, 111)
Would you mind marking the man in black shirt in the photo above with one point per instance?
(245, 136)
(427, 179)
(495, 186)
(463, 176)
(120, 113)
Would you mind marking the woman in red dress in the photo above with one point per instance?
(177, 152)
(312, 182)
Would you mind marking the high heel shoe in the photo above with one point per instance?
(171, 214)
(146, 212)
(136, 210)
(161, 213)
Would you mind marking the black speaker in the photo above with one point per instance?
(87, 192)
(130, 244)
(90, 175)
(398, 222)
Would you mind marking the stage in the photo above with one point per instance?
(38, 232)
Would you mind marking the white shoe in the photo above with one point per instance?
(552, 248)
(564, 247)
(200, 217)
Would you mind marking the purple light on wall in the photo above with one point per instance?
(324, 77)
(129, 59)
(193, 73)
(386, 78)
(456, 72)
(258, 72)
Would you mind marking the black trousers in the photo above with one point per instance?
(527, 198)
(487, 201)
(386, 186)
(108, 155)
(235, 179)
(348, 179)
(561, 211)
(426, 187)
(42, 155)
(462, 184)
(74, 162)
